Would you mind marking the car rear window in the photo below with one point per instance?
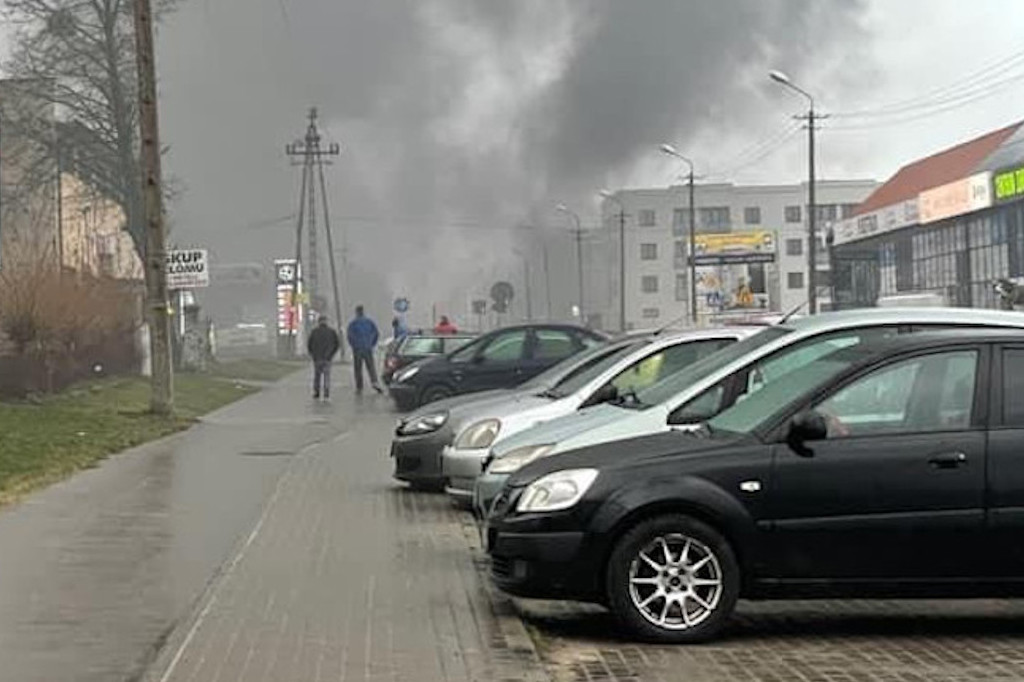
(422, 345)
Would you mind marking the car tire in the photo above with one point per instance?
(682, 596)
(434, 393)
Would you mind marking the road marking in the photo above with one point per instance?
(223, 578)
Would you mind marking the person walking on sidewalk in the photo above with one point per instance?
(362, 337)
(323, 345)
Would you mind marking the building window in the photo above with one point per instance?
(795, 280)
(715, 218)
(793, 214)
(825, 212)
(648, 252)
(650, 313)
(649, 284)
(752, 215)
(848, 210)
(646, 217)
(680, 221)
(794, 247)
(682, 288)
(679, 259)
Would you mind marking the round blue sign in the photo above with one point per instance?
(401, 305)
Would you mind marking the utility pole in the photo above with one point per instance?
(693, 251)
(162, 381)
(812, 219)
(579, 251)
(612, 197)
(314, 157)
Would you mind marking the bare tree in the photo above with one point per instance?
(80, 55)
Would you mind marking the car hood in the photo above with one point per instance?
(513, 410)
(463, 401)
(684, 444)
(564, 428)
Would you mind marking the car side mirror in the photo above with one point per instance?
(806, 427)
(605, 394)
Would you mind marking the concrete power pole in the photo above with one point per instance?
(162, 393)
(314, 157)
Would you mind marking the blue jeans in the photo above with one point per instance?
(322, 375)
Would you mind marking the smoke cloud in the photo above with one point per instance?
(459, 120)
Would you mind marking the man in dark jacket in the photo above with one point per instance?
(323, 345)
(362, 337)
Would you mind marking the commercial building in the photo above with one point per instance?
(946, 226)
(751, 247)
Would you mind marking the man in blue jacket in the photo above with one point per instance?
(362, 337)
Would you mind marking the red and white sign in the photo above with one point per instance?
(955, 198)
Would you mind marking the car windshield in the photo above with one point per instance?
(568, 368)
(753, 409)
(678, 382)
(590, 371)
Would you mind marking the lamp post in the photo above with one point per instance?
(526, 284)
(671, 151)
(579, 251)
(612, 197)
(812, 209)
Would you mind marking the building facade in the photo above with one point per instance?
(751, 248)
(946, 227)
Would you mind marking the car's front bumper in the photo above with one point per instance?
(540, 556)
(461, 468)
(418, 458)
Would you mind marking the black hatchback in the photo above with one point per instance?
(890, 468)
(499, 359)
(416, 347)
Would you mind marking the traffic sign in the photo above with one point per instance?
(401, 305)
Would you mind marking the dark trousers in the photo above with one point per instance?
(360, 358)
(322, 377)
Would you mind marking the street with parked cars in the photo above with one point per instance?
(664, 475)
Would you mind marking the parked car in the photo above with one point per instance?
(887, 468)
(617, 377)
(503, 358)
(416, 347)
(704, 389)
(421, 436)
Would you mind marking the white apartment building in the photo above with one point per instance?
(657, 247)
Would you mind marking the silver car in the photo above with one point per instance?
(617, 377)
(704, 389)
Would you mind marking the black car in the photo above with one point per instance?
(415, 347)
(890, 468)
(500, 359)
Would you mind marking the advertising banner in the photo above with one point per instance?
(754, 246)
(955, 198)
(289, 306)
(887, 219)
(188, 269)
(1008, 184)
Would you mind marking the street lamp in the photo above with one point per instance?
(579, 250)
(526, 284)
(812, 217)
(671, 151)
(612, 197)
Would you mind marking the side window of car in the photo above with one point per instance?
(1013, 387)
(587, 341)
(506, 347)
(553, 344)
(928, 393)
(656, 367)
(703, 407)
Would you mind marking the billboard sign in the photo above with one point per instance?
(188, 269)
(754, 246)
(1008, 184)
(955, 198)
(887, 219)
(289, 306)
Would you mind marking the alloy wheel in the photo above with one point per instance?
(675, 582)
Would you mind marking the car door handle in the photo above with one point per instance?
(948, 460)
(457, 376)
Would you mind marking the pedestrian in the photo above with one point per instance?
(362, 337)
(323, 345)
(445, 326)
(398, 329)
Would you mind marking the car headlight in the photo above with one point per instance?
(556, 491)
(518, 458)
(406, 374)
(479, 435)
(427, 423)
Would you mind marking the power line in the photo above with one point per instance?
(764, 151)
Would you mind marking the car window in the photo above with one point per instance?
(568, 367)
(674, 384)
(665, 363)
(588, 341)
(466, 353)
(1013, 387)
(932, 392)
(506, 347)
(451, 344)
(418, 345)
(584, 375)
(553, 344)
